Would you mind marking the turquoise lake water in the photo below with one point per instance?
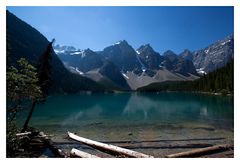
(137, 116)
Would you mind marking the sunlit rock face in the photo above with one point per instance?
(214, 56)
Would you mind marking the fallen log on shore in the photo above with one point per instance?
(23, 134)
(82, 154)
(111, 149)
(201, 151)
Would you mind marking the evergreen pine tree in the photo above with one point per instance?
(44, 74)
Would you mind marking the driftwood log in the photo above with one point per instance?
(202, 151)
(82, 154)
(23, 134)
(111, 149)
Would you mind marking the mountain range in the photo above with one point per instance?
(122, 67)
(116, 67)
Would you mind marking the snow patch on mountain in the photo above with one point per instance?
(206, 51)
(76, 53)
(75, 69)
(142, 65)
(80, 72)
(117, 43)
(225, 42)
(59, 51)
(201, 71)
(125, 75)
(81, 53)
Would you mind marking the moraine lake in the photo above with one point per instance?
(175, 119)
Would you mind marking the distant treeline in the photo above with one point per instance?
(221, 81)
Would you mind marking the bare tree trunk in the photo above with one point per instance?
(79, 153)
(202, 151)
(110, 149)
(25, 126)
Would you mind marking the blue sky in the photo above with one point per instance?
(174, 28)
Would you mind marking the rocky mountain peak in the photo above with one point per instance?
(170, 55)
(88, 51)
(214, 56)
(146, 47)
(148, 58)
(169, 52)
(121, 43)
(122, 55)
(187, 55)
(186, 51)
